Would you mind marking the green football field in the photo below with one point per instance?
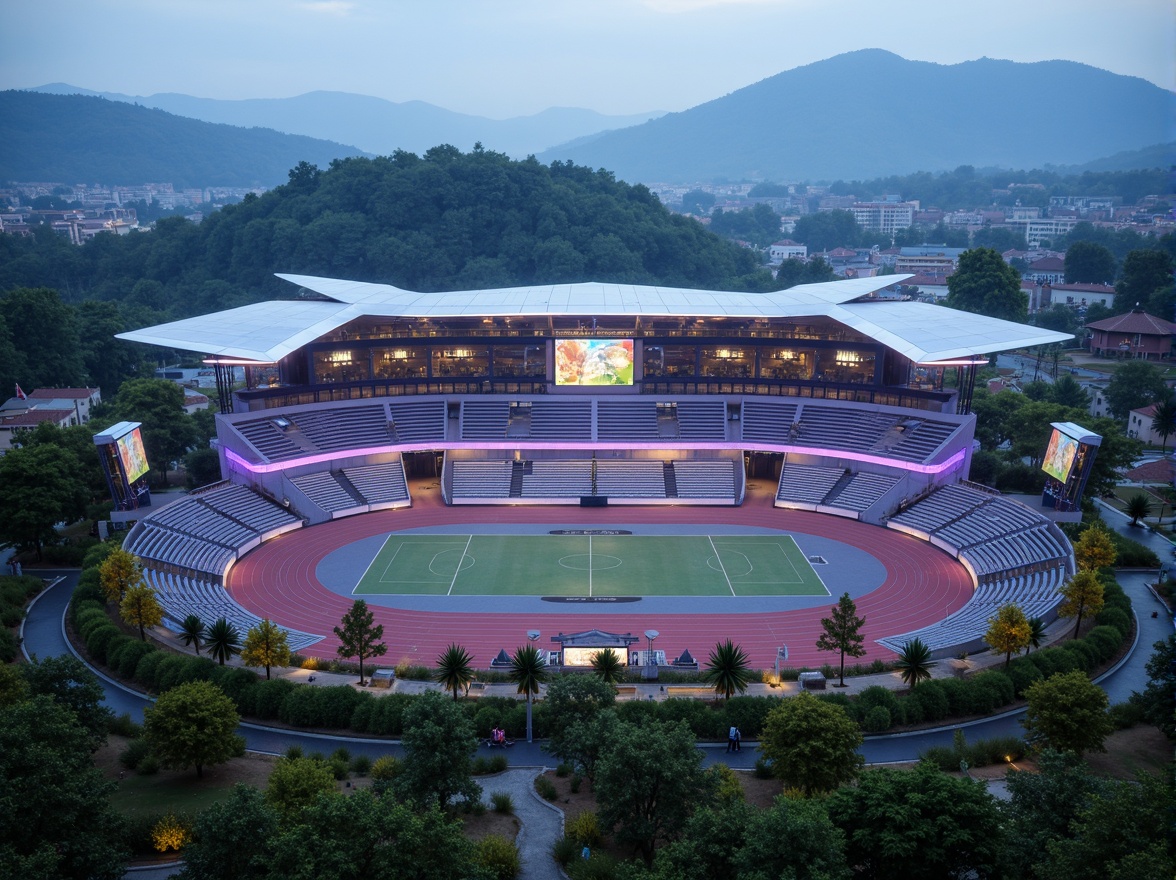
(591, 565)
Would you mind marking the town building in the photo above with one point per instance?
(1134, 335)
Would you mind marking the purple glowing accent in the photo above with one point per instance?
(504, 446)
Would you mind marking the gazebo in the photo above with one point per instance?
(1134, 335)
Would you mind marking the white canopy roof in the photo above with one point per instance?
(265, 332)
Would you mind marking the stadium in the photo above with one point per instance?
(601, 464)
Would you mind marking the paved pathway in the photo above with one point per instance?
(542, 823)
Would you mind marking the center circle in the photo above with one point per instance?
(586, 562)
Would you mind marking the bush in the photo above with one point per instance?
(932, 700)
(499, 857)
(763, 768)
(546, 788)
(876, 695)
(329, 707)
(233, 680)
(1022, 672)
(1084, 654)
(264, 699)
(99, 638)
(564, 769)
(148, 669)
(1117, 618)
(574, 783)
(170, 672)
(339, 768)
(361, 765)
(132, 756)
(601, 866)
(129, 657)
(996, 750)
(497, 763)
(8, 646)
(502, 802)
(293, 752)
(1106, 640)
(341, 754)
(1125, 715)
(943, 757)
(585, 829)
(386, 768)
(114, 650)
(122, 725)
(997, 689)
(149, 766)
(876, 719)
(565, 850)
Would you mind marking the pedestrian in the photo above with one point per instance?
(738, 740)
(731, 743)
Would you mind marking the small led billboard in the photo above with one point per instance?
(132, 455)
(1059, 456)
(594, 362)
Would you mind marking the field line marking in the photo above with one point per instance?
(456, 572)
(721, 567)
(372, 562)
(589, 566)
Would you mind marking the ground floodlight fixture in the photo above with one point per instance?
(651, 634)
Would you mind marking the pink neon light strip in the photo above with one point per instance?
(277, 467)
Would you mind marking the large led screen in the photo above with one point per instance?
(594, 362)
(132, 455)
(1059, 456)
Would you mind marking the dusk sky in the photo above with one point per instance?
(503, 58)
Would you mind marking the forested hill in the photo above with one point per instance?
(74, 138)
(871, 113)
(444, 221)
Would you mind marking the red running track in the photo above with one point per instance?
(277, 580)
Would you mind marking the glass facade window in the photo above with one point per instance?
(787, 363)
(461, 361)
(342, 365)
(728, 361)
(520, 360)
(669, 360)
(848, 366)
(400, 362)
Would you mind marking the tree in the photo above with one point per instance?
(843, 632)
(203, 467)
(1081, 595)
(167, 428)
(1138, 507)
(192, 632)
(439, 745)
(1164, 420)
(985, 284)
(1008, 631)
(39, 487)
(1067, 712)
(1036, 634)
(918, 824)
(454, 670)
(792, 838)
(59, 822)
(1133, 385)
(1094, 548)
(727, 670)
(359, 636)
(69, 682)
(266, 644)
(607, 666)
(585, 741)
(193, 725)
(811, 744)
(223, 640)
(1118, 834)
(44, 331)
(826, 230)
(648, 783)
(571, 699)
(527, 671)
(233, 838)
(1144, 272)
(295, 784)
(1158, 698)
(914, 662)
(1067, 392)
(140, 608)
(1089, 263)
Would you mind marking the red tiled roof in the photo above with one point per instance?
(1161, 471)
(61, 393)
(1085, 288)
(34, 417)
(1047, 264)
(1135, 322)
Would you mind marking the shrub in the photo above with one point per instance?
(876, 695)
(148, 669)
(876, 719)
(499, 857)
(132, 756)
(8, 646)
(170, 672)
(502, 802)
(545, 787)
(943, 757)
(932, 700)
(129, 657)
(148, 766)
(995, 750)
(1117, 618)
(912, 711)
(264, 699)
(98, 640)
(763, 768)
(123, 725)
(1022, 672)
(497, 763)
(114, 650)
(361, 765)
(341, 754)
(1125, 715)
(601, 866)
(1106, 640)
(479, 766)
(746, 713)
(339, 768)
(564, 769)
(386, 768)
(565, 850)
(585, 829)
(171, 833)
(233, 680)
(574, 783)
(293, 752)
(991, 690)
(1084, 654)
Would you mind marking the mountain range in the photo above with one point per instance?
(871, 113)
(379, 126)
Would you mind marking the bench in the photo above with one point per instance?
(703, 693)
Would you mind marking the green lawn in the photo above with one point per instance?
(596, 565)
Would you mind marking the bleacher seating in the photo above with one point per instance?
(481, 479)
(768, 421)
(702, 478)
(379, 483)
(847, 428)
(252, 510)
(862, 491)
(412, 421)
(702, 419)
(806, 484)
(170, 547)
(352, 427)
(325, 491)
(630, 479)
(938, 509)
(557, 478)
(181, 595)
(561, 420)
(626, 420)
(484, 419)
(268, 439)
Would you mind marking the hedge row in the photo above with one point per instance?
(14, 592)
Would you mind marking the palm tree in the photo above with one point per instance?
(1036, 633)
(454, 670)
(527, 670)
(607, 666)
(727, 670)
(914, 662)
(1164, 421)
(223, 640)
(192, 632)
(1138, 506)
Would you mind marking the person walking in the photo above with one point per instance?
(738, 739)
(732, 744)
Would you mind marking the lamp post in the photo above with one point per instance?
(781, 656)
(532, 636)
(651, 634)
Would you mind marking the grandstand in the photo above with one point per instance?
(846, 402)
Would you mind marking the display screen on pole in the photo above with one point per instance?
(1059, 456)
(132, 455)
(594, 362)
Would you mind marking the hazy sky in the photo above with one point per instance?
(504, 58)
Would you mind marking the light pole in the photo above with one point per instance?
(781, 656)
(532, 636)
(650, 663)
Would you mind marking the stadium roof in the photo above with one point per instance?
(268, 331)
